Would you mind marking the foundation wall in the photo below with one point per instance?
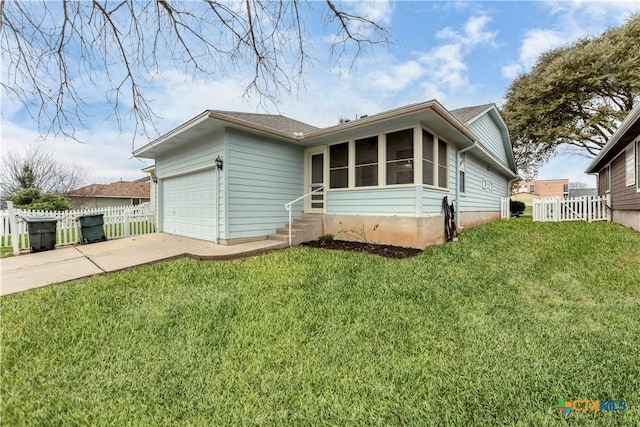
(629, 219)
(412, 232)
(469, 220)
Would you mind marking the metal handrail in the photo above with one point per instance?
(287, 206)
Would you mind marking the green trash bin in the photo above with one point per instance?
(91, 228)
(42, 233)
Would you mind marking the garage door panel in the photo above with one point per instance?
(189, 205)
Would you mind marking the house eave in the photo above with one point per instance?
(361, 125)
(191, 124)
(630, 122)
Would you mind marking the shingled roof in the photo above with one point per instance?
(467, 113)
(275, 122)
(119, 189)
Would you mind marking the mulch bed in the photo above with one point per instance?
(387, 251)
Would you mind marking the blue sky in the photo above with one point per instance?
(460, 53)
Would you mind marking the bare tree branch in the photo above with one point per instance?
(56, 53)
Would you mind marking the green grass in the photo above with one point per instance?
(490, 330)
(528, 210)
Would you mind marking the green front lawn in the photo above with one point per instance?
(490, 330)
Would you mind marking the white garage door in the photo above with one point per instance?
(188, 205)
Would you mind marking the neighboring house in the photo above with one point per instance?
(582, 192)
(120, 193)
(527, 191)
(226, 176)
(618, 169)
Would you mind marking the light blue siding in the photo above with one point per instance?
(432, 201)
(489, 134)
(479, 198)
(263, 175)
(386, 201)
(198, 154)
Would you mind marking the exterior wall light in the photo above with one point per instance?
(219, 163)
(155, 179)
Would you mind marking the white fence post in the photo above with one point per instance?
(15, 233)
(585, 208)
(119, 221)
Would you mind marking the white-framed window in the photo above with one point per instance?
(366, 167)
(400, 157)
(532, 188)
(443, 164)
(638, 165)
(428, 158)
(339, 165)
(629, 166)
(463, 171)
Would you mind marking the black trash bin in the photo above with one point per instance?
(42, 233)
(91, 228)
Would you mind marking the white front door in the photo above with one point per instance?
(314, 179)
(188, 205)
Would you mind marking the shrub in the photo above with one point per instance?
(325, 238)
(33, 199)
(516, 207)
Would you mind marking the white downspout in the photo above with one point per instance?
(216, 194)
(458, 153)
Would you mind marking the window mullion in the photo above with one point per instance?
(417, 155)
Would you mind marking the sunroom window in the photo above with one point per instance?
(400, 157)
(428, 158)
(367, 161)
(638, 165)
(443, 170)
(463, 172)
(339, 165)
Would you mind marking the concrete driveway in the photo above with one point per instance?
(73, 262)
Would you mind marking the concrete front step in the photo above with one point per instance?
(281, 237)
(294, 230)
(303, 229)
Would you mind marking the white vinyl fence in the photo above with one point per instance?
(586, 208)
(121, 221)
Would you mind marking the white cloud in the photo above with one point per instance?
(535, 43)
(398, 77)
(568, 26)
(512, 70)
(538, 41)
(106, 153)
(378, 11)
(474, 32)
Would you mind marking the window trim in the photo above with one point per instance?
(607, 178)
(637, 144)
(329, 168)
(434, 174)
(356, 165)
(446, 163)
(462, 174)
(632, 157)
(413, 156)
